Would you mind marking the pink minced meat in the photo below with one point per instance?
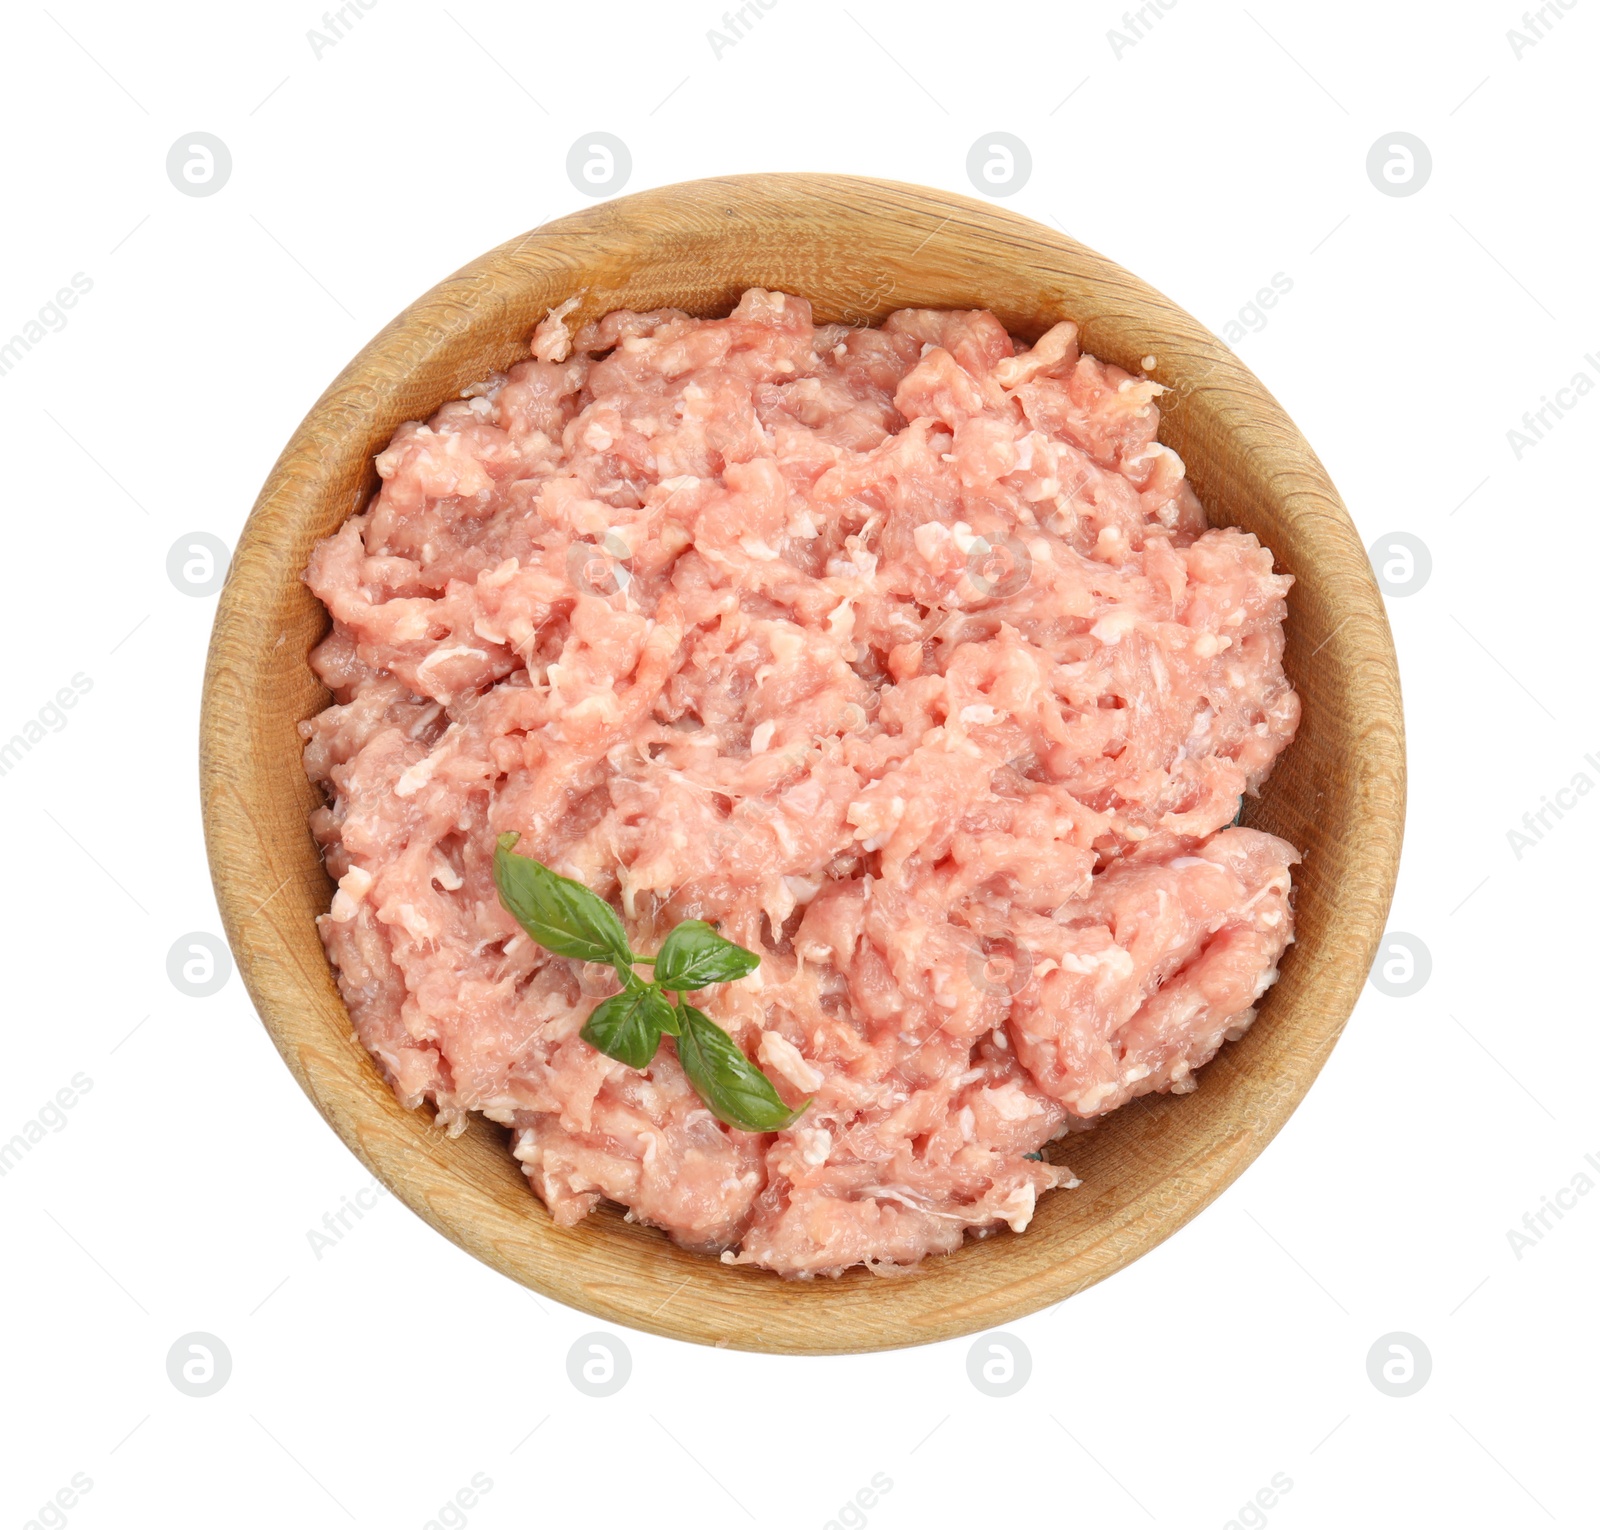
(904, 655)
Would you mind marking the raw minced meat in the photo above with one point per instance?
(905, 656)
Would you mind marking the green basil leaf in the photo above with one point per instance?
(628, 1025)
(732, 1086)
(562, 915)
(694, 955)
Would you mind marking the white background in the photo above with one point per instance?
(370, 1384)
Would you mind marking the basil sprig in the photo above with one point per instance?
(568, 919)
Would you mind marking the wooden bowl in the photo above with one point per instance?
(858, 249)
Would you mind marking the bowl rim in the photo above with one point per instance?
(606, 1267)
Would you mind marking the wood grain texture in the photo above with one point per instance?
(858, 249)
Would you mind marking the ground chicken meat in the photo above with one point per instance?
(904, 655)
